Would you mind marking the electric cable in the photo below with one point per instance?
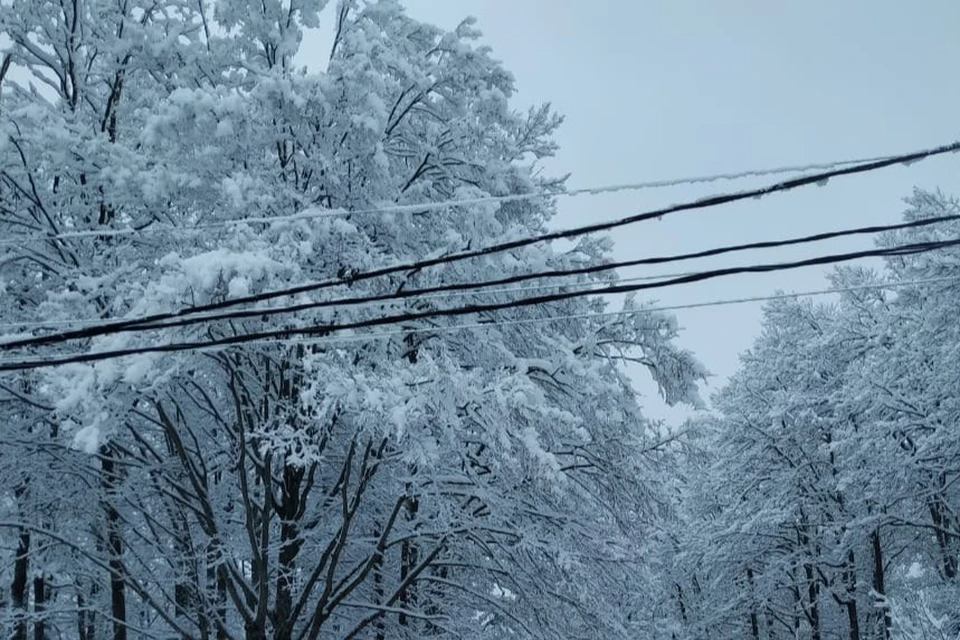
(134, 325)
(366, 337)
(86, 323)
(326, 329)
(425, 207)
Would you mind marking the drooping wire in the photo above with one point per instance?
(154, 320)
(480, 289)
(425, 207)
(366, 337)
(327, 329)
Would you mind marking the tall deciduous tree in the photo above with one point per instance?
(821, 500)
(433, 480)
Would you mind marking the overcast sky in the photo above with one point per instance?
(659, 89)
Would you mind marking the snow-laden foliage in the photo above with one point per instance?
(821, 501)
(406, 481)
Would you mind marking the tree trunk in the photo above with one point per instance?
(409, 557)
(939, 514)
(255, 631)
(183, 598)
(81, 618)
(221, 607)
(186, 596)
(87, 620)
(813, 602)
(291, 541)
(680, 604)
(798, 606)
(39, 607)
(118, 597)
(852, 619)
(20, 587)
(812, 606)
(754, 619)
(379, 596)
(217, 588)
(850, 604)
(879, 587)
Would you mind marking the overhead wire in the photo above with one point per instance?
(413, 267)
(87, 323)
(425, 207)
(366, 337)
(409, 316)
(472, 287)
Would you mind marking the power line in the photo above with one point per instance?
(600, 314)
(280, 334)
(702, 203)
(369, 337)
(425, 207)
(105, 328)
(89, 323)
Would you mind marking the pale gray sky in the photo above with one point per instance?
(657, 89)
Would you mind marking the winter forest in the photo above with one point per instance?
(286, 354)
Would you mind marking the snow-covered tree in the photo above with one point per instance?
(489, 481)
(820, 501)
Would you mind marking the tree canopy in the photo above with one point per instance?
(491, 480)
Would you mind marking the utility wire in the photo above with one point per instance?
(702, 203)
(87, 323)
(366, 337)
(412, 267)
(121, 326)
(425, 207)
(325, 329)
(490, 324)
